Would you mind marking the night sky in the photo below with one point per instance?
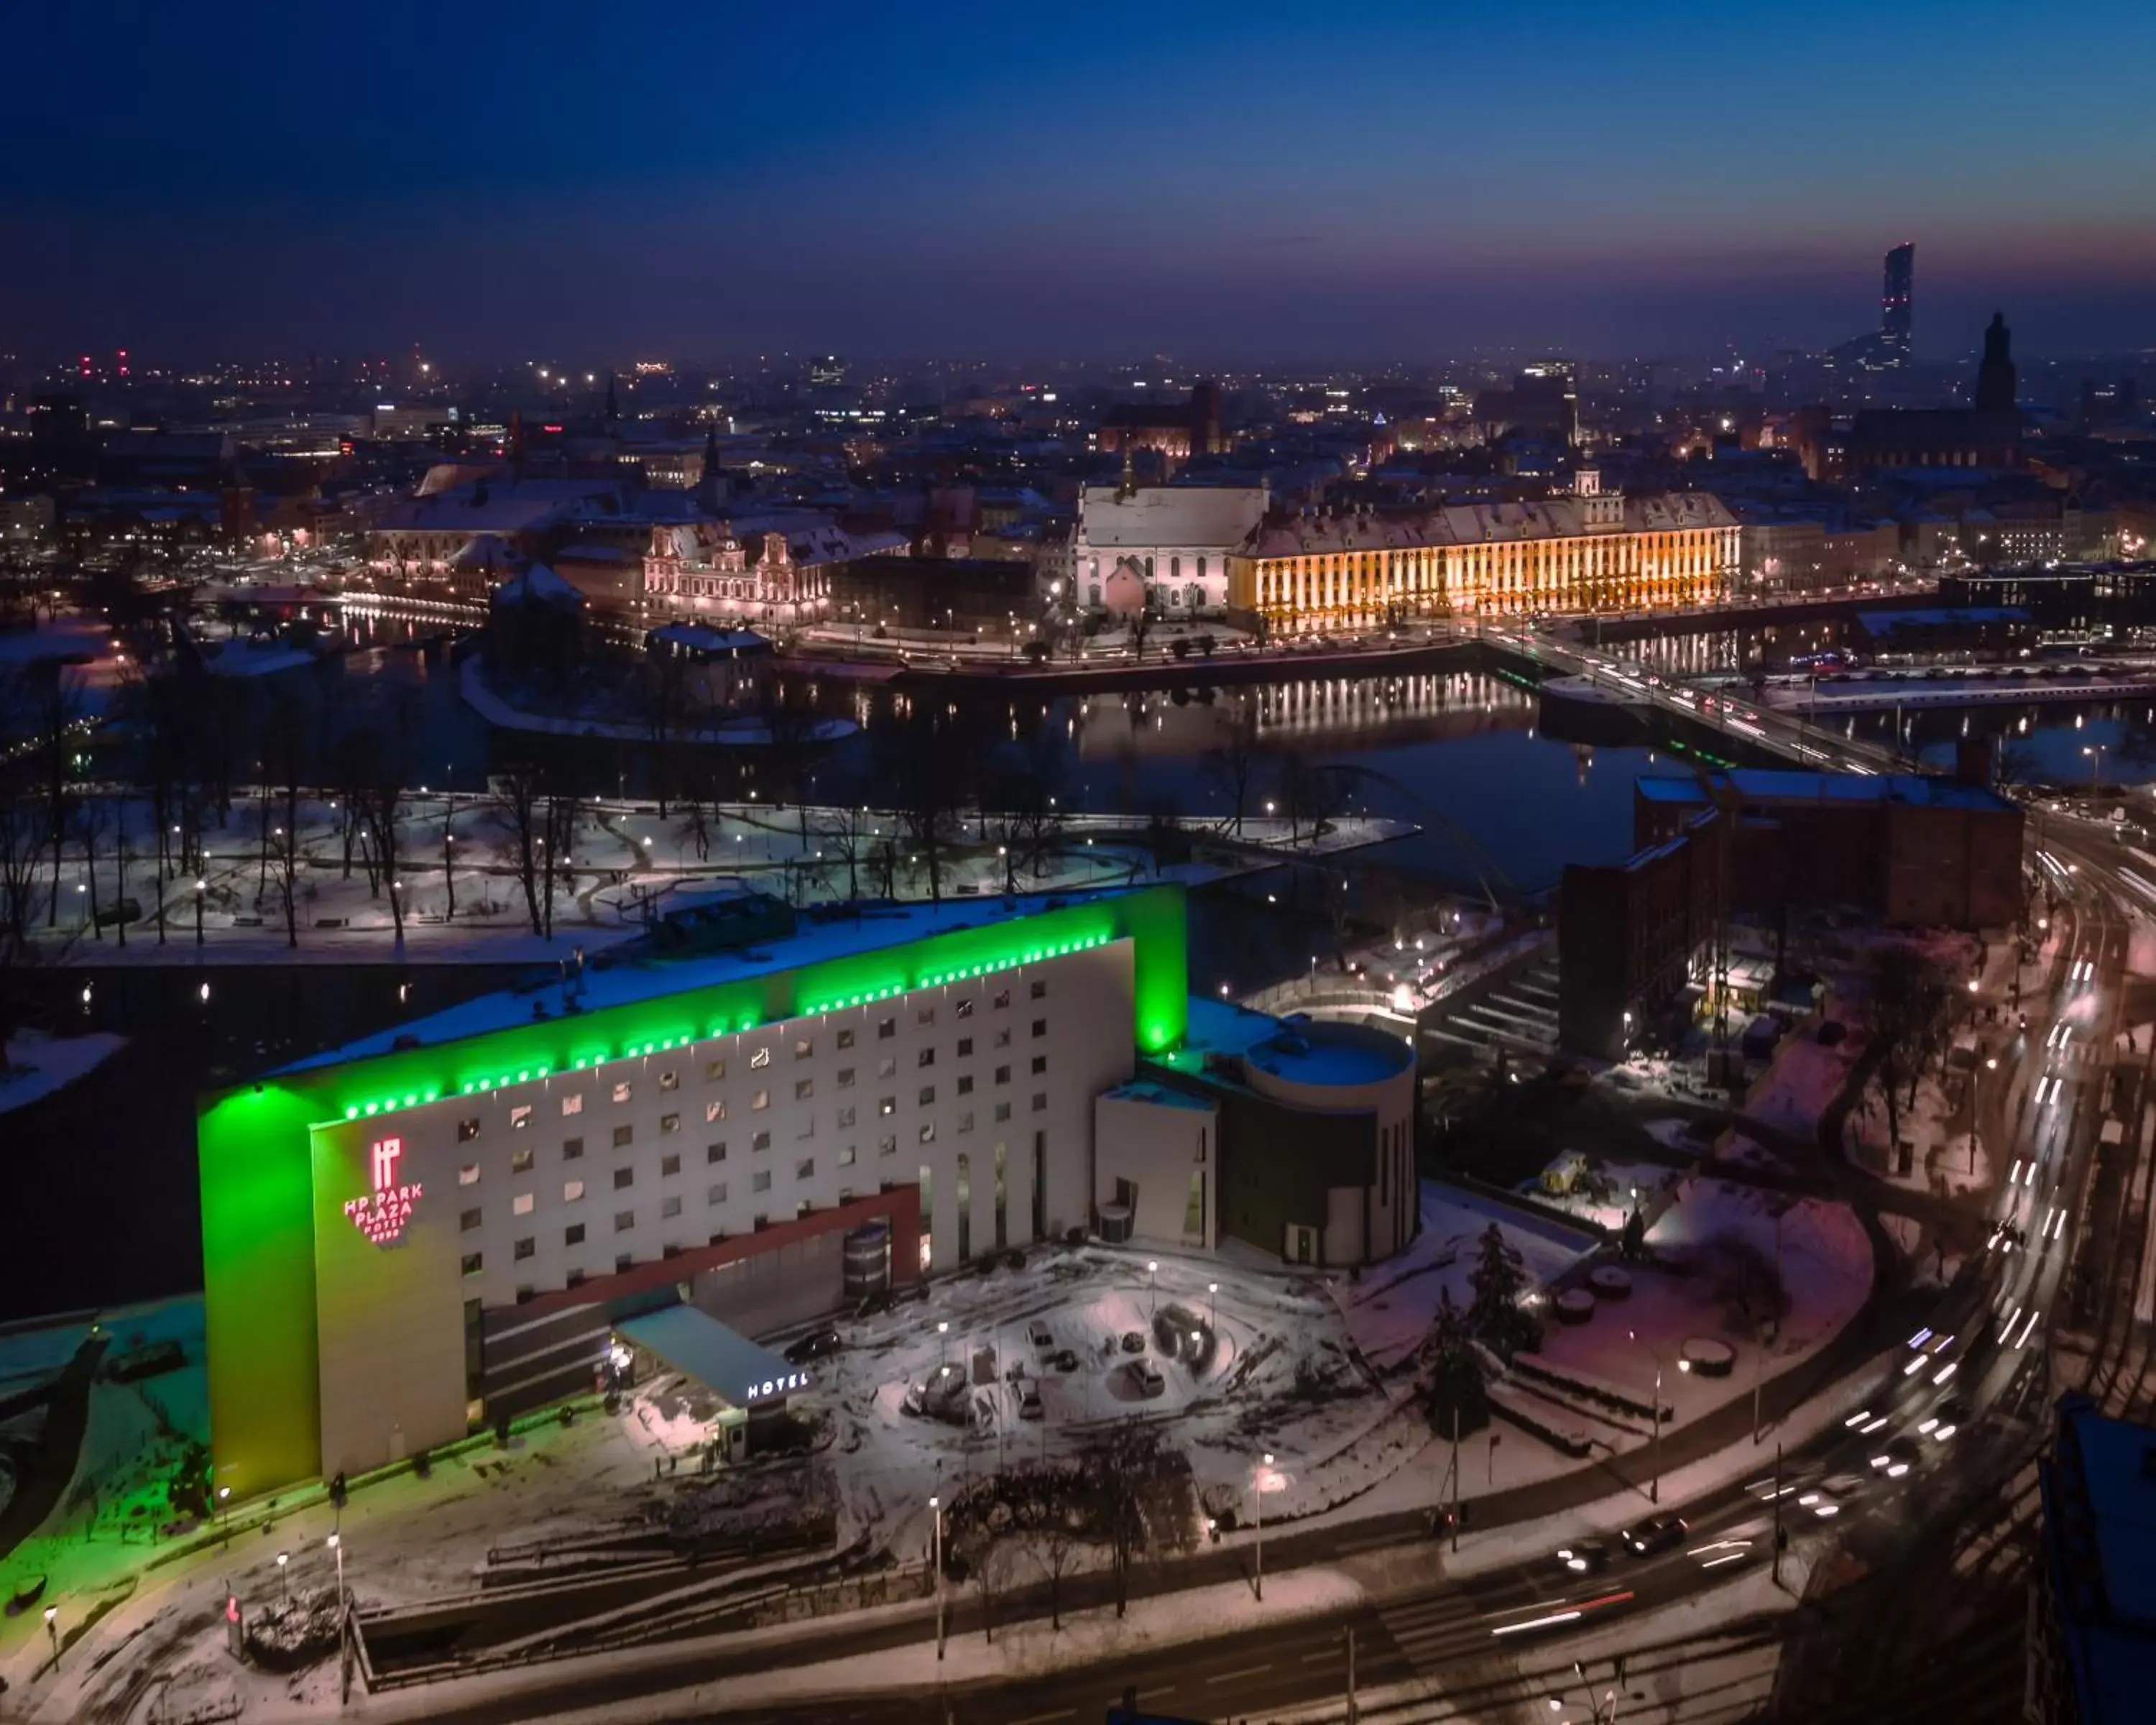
(1291, 183)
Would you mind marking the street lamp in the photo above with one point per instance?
(1260, 1482)
(223, 1512)
(337, 1545)
(1212, 1306)
(2094, 751)
(943, 1334)
(1655, 1478)
(284, 1590)
(1152, 1287)
(53, 1631)
(935, 1508)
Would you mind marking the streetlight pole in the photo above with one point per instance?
(283, 1587)
(1655, 1478)
(337, 1545)
(935, 1508)
(1152, 1287)
(1212, 1306)
(1262, 1472)
(53, 1632)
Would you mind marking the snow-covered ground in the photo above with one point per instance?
(34, 1065)
(1802, 1083)
(624, 858)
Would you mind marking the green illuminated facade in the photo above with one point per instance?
(260, 1207)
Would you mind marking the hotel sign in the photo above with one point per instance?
(381, 1215)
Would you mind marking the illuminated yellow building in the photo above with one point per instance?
(1355, 570)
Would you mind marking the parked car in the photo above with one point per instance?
(1657, 1534)
(1134, 1340)
(815, 1345)
(1147, 1374)
(1029, 1405)
(1067, 1360)
(1041, 1335)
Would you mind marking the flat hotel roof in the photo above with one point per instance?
(612, 981)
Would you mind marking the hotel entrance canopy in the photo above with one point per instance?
(721, 1359)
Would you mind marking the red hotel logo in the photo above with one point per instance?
(382, 1216)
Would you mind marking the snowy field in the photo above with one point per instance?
(36, 1064)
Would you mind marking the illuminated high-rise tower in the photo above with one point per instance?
(1894, 303)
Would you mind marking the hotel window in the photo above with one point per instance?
(762, 1141)
(1039, 1065)
(966, 1008)
(621, 1092)
(927, 1094)
(845, 1117)
(886, 1105)
(573, 1191)
(714, 1111)
(520, 1205)
(623, 1262)
(926, 1057)
(623, 1220)
(520, 1161)
(670, 1122)
(467, 1221)
(965, 1122)
(1040, 1027)
(1003, 998)
(572, 1148)
(1002, 1075)
(670, 1080)
(623, 1177)
(669, 1165)
(717, 1194)
(805, 1169)
(886, 1028)
(573, 1234)
(1041, 988)
(471, 1264)
(572, 1103)
(846, 1156)
(761, 1059)
(1039, 1101)
(1002, 1038)
(845, 1038)
(965, 1046)
(887, 1067)
(468, 1175)
(523, 1249)
(845, 1078)
(467, 1130)
(669, 1210)
(1002, 1111)
(758, 1102)
(623, 1135)
(714, 1071)
(519, 1117)
(887, 1145)
(803, 1088)
(926, 1015)
(760, 1181)
(715, 1152)
(803, 1047)
(966, 1085)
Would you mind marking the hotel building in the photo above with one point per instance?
(408, 1237)
(1590, 552)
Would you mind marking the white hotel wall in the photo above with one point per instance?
(383, 1307)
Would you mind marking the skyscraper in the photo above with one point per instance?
(1894, 314)
(1995, 373)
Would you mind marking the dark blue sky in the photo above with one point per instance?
(590, 182)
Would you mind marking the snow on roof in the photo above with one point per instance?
(628, 982)
(1172, 514)
(715, 1356)
(537, 585)
(1769, 785)
(1481, 523)
(486, 551)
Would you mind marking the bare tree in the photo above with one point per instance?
(520, 800)
(558, 855)
(1911, 1007)
(91, 818)
(985, 1559)
(58, 707)
(1057, 1548)
(1232, 764)
(285, 766)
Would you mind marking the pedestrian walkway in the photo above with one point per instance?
(1519, 1014)
(1435, 1631)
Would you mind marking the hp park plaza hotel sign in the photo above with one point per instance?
(381, 1215)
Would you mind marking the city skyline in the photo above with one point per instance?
(1219, 186)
